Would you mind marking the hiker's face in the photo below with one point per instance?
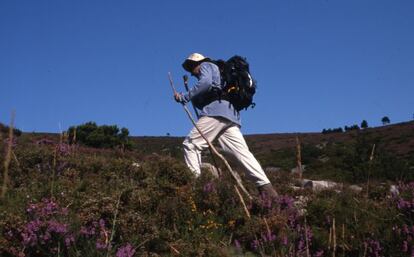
(196, 71)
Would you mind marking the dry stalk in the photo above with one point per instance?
(175, 251)
(141, 244)
(365, 250)
(8, 158)
(74, 135)
(299, 157)
(330, 238)
(269, 232)
(371, 157)
(61, 137)
(15, 159)
(334, 237)
(242, 201)
(306, 239)
(343, 239)
(52, 187)
(114, 223)
(267, 226)
(73, 145)
(230, 239)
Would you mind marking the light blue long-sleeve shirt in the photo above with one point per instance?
(208, 78)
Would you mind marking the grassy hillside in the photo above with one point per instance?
(71, 200)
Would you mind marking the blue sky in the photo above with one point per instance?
(319, 63)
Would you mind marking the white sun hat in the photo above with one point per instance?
(193, 60)
(195, 57)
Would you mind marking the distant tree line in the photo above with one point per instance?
(364, 124)
(4, 129)
(335, 130)
(105, 136)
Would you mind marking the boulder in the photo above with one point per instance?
(296, 170)
(211, 169)
(355, 188)
(272, 169)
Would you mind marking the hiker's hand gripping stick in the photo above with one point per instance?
(177, 96)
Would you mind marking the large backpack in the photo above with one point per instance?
(237, 83)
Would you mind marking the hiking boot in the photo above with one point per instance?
(268, 191)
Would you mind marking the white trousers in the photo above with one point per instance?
(231, 140)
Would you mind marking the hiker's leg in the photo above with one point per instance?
(232, 141)
(194, 143)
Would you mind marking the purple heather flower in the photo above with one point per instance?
(405, 229)
(46, 237)
(374, 247)
(61, 167)
(64, 211)
(102, 223)
(64, 149)
(209, 187)
(286, 202)
(284, 240)
(87, 231)
(125, 251)
(405, 246)
(266, 201)
(301, 244)
(32, 208)
(319, 253)
(255, 244)
(237, 244)
(16, 252)
(44, 141)
(57, 227)
(70, 239)
(268, 237)
(100, 245)
(9, 233)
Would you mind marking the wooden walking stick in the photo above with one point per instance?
(214, 150)
(185, 78)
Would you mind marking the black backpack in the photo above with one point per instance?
(238, 86)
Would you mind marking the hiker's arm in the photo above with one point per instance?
(203, 85)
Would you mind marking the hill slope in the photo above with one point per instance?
(71, 200)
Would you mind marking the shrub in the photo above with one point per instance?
(353, 127)
(5, 130)
(335, 130)
(105, 136)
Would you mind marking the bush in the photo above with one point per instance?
(335, 130)
(5, 130)
(353, 127)
(105, 136)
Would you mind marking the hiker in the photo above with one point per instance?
(218, 120)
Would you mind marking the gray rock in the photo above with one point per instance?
(318, 185)
(272, 169)
(211, 169)
(394, 190)
(321, 145)
(296, 170)
(324, 159)
(355, 188)
(136, 165)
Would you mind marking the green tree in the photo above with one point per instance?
(5, 129)
(105, 136)
(385, 120)
(364, 124)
